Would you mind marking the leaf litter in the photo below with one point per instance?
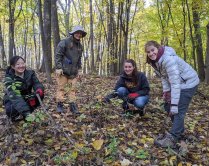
(102, 135)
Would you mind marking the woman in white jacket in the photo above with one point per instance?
(179, 81)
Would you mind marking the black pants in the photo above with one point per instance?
(12, 112)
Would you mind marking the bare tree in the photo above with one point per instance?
(164, 17)
(66, 10)
(2, 51)
(91, 36)
(55, 24)
(45, 27)
(12, 50)
(184, 29)
(207, 58)
(191, 35)
(198, 37)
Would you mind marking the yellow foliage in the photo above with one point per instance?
(97, 144)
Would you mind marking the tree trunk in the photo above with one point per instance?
(207, 58)
(46, 36)
(66, 10)
(3, 63)
(199, 50)
(110, 37)
(91, 36)
(121, 57)
(36, 52)
(12, 50)
(191, 35)
(55, 24)
(25, 38)
(184, 30)
(126, 28)
(164, 20)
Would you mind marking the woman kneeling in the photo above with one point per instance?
(19, 99)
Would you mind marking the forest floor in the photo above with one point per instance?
(102, 134)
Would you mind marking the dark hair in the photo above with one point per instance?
(14, 60)
(135, 71)
(152, 43)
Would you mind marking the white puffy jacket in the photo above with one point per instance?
(175, 74)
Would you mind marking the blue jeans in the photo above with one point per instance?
(138, 102)
(177, 128)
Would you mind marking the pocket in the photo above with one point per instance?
(70, 70)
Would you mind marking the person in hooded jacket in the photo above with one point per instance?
(21, 87)
(68, 68)
(179, 81)
(132, 87)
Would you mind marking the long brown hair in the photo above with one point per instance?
(151, 43)
(135, 71)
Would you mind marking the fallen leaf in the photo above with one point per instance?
(125, 162)
(97, 144)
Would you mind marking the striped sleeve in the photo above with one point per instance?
(13, 91)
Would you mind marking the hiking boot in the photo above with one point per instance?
(165, 141)
(25, 114)
(17, 118)
(125, 106)
(74, 108)
(60, 107)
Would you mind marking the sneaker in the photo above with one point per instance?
(165, 141)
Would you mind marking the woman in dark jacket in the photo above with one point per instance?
(21, 87)
(132, 87)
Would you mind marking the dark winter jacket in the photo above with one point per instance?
(142, 88)
(18, 90)
(68, 56)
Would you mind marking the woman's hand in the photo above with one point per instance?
(167, 96)
(173, 110)
(59, 72)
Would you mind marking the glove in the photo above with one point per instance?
(110, 96)
(167, 96)
(174, 110)
(132, 96)
(40, 92)
(59, 72)
(32, 102)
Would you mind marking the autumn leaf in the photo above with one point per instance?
(125, 162)
(97, 144)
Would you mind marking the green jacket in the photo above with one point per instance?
(68, 56)
(18, 90)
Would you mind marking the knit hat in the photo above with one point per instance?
(76, 29)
